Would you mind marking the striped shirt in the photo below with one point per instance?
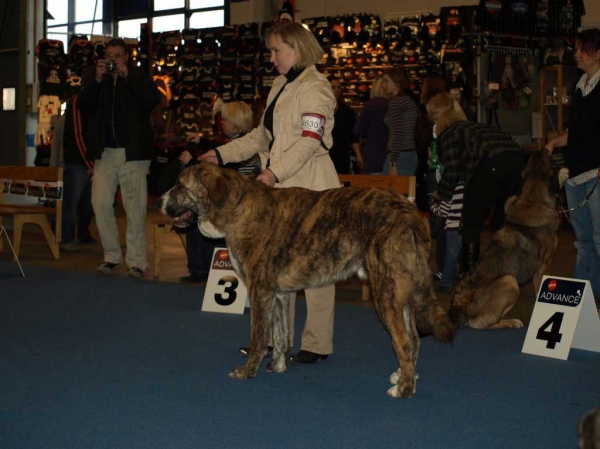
(450, 210)
(586, 86)
(401, 119)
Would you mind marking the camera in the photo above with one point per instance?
(111, 66)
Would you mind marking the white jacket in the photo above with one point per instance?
(295, 160)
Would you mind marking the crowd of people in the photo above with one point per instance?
(308, 135)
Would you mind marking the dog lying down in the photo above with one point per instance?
(285, 240)
(520, 251)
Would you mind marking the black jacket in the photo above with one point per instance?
(130, 102)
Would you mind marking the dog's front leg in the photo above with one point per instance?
(280, 327)
(260, 305)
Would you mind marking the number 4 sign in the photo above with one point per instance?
(225, 292)
(564, 316)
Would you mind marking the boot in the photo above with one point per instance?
(470, 255)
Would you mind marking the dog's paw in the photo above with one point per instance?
(279, 366)
(405, 391)
(516, 324)
(242, 372)
(397, 375)
(395, 378)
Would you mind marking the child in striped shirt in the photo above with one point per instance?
(452, 212)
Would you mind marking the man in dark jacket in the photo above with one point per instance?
(119, 140)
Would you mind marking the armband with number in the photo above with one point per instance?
(313, 125)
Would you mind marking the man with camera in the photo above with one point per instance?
(119, 139)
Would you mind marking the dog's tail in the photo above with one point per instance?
(432, 319)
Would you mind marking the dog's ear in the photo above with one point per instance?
(218, 188)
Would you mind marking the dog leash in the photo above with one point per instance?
(585, 200)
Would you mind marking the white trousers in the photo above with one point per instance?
(111, 171)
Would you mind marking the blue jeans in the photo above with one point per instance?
(586, 225)
(406, 164)
(77, 188)
(453, 246)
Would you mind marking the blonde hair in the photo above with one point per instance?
(376, 89)
(305, 45)
(433, 84)
(239, 114)
(444, 112)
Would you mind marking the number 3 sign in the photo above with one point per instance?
(564, 316)
(225, 292)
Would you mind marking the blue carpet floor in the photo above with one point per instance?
(110, 362)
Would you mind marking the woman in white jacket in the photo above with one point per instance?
(292, 141)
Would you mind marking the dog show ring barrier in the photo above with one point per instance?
(405, 185)
(43, 183)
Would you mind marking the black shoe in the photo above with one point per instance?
(194, 278)
(307, 357)
(87, 240)
(245, 350)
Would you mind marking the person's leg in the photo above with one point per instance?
(192, 238)
(85, 212)
(104, 188)
(69, 210)
(440, 243)
(134, 191)
(453, 246)
(479, 197)
(586, 226)
(317, 336)
(407, 163)
(508, 167)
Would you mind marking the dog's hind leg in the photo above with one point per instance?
(498, 298)
(280, 326)
(260, 308)
(391, 298)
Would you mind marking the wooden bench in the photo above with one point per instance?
(36, 182)
(405, 185)
(161, 227)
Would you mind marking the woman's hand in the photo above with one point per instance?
(436, 196)
(550, 147)
(209, 156)
(267, 178)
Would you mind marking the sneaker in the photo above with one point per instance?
(135, 272)
(106, 267)
(437, 276)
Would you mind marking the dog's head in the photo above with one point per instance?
(200, 190)
(539, 182)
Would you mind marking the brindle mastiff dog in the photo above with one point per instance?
(520, 251)
(285, 240)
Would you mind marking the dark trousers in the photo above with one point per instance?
(494, 181)
(200, 250)
(77, 210)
